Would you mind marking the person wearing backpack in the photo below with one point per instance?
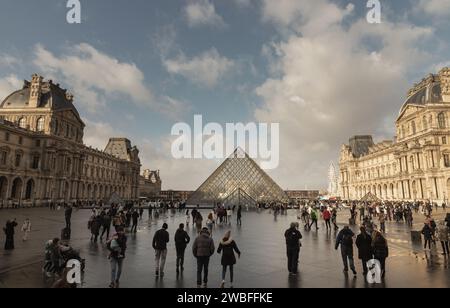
(181, 241)
(345, 239)
(160, 241)
(293, 237)
(117, 247)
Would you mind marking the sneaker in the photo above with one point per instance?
(222, 285)
(205, 285)
(112, 285)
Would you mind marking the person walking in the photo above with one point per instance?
(442, 234)
(160, 240)
(135, 219)
(229, 215)
(198, 221)
(227, 247)
(9, 232)
(345, 240)
(95, 228)
(117, 247)
(293, 244)
(181, 241)
(380, 250)
(26, 229)
(203, 248)
(382, 221)
(314, 216)
(428, 236)
(106, 225)
(68, 216)
(187, 218)
(327, 217)
(210, 223)
(239, 216)
(334, 219)
(364, 244)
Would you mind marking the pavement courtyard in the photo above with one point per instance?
(262, 264)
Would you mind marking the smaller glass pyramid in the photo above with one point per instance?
(238, 181)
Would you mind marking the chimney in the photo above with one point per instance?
(35, 91)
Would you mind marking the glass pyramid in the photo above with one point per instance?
(238, 181)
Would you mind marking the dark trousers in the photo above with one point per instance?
(427, 241)
(292, 255)
(224, 272)
(347, 257)
(202, 266)
(314, 221)
(445, 247)
(327, 223)
(105, 229)
(134, 227)
(239, 221)
(383, 265)
(68, 224)
(180, 257)
(364, 265)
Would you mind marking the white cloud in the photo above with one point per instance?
(94, 75)
(436, 8)
(203, 13)
(8, 85)
(330, 85)
(97, 134)
(8, 60)
(205, 69)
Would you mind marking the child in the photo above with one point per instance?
(26, 228)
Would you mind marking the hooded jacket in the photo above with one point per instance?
(228, 248)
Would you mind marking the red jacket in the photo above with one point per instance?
(326, 215)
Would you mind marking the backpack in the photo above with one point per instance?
(347, 240)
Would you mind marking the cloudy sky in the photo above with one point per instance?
(316, 67)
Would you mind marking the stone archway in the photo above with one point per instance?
(29, 190)
(16, 190)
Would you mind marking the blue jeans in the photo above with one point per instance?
(116, 269)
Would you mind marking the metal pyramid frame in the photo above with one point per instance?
(238, 181)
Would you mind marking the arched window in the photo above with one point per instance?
(40, 125)
(413, 127)
(441, 120)
(23, 123)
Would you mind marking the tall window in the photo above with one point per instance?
(413, 127)
(441, 120)
(424, 122)
(3, 157)
(35, 162)
(18, 159)
(23, 123)
(40, 126)
(446, 160)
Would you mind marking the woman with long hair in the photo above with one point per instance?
(227, 247)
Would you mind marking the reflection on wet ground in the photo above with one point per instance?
(262, 264)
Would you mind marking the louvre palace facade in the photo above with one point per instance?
(415, 165)
(43, 158)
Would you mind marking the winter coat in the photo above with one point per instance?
(160, 240)
(228, 248)
(95, 225)
(427, 232)
(293, 237)
(181, 239)
(345, 239)
(203, 245)
(364, 244)
(380, 248)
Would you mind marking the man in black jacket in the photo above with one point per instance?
(293, 237)
(345, 239)
(160, 241)
(181, 241)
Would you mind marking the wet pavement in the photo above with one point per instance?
(262, 264)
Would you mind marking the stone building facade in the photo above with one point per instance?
(43, 158)
(416, 164)
(150, 184)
